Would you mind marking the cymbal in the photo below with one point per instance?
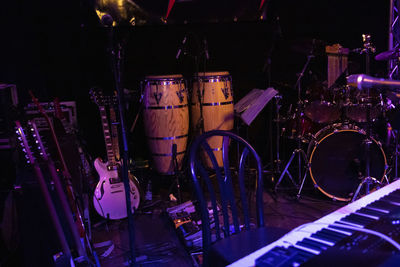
(388, 55)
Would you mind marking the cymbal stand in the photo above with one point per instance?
(301, 155)
(277, 161)
(367, 180)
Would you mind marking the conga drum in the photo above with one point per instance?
(212, 99)
(166, 120)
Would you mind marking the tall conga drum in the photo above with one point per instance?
(212, 99)
(166, 120)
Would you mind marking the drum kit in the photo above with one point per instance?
(341, 127)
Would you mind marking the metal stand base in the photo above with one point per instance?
(301, 154)
(367, 181)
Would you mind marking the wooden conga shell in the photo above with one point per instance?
(214, 91)
(166, 119)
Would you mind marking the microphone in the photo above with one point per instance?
(362, 81)
(181, 47)
(107, 20)
(206, 49)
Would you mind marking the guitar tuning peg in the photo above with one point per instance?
(19, 138)
(28, 161)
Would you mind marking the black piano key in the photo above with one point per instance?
(371, 212)
(321, 245)
(357, 219)
(395, 193)
(391, 198)
(309, 245)
(343, 229)
(383, 205)
(321, 236)
(333, 233)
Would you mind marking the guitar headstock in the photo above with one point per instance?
(97, 96)
(31, 142)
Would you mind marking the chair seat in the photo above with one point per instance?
(234, 247)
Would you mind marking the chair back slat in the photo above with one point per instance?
(221, 184)
(242, 188)
(213, 200)
(229, 186)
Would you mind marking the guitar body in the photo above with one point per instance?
(109, 195)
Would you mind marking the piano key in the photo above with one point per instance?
(334, 233)
(383, 205)
(306, 249)
(309, 245)
(374, 218)
(392, 198)
(358, 219)
(371, 212)
(324, 242)
(318, 244)
(324, 237)
(342, 229)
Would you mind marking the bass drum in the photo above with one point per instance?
(337, 159)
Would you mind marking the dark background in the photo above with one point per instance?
(60, 49)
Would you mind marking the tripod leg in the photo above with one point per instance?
(302, 184)
(286, 171)
(357, 191)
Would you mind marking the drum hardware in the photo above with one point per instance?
(367, 180)
(299, 151)
(278, 119)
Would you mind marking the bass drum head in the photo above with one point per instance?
(337, 162)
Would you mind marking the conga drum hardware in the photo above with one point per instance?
(166, 119)
(212, 107)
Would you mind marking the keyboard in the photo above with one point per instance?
(330, 235)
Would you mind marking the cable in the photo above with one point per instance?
(368, 231)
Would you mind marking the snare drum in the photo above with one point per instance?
(166, 119)
(212, 99)
(337, 160)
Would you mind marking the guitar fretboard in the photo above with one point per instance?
(107, 137)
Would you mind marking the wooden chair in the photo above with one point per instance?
(228, 242)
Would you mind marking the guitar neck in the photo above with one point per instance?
(114, 133)
(108, 140)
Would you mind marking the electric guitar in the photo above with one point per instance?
(109, 195)
(26, 146)
(71, 197)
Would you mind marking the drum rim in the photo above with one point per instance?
(210, 74)
(316, 144)
(170, 77)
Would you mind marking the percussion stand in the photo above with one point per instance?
(301, 155)
(367, 180)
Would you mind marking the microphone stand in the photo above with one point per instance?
(115, 62)
(367, 179)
